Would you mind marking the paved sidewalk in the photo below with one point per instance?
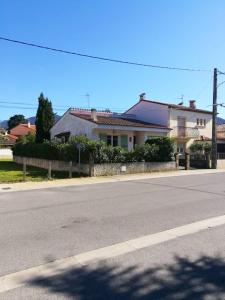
(23, 186)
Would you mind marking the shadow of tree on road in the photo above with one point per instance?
(203, 278)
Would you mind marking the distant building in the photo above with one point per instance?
(7, 140)
(23, 129)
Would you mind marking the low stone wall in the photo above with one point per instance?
(55, 165)
(221, 163)
(132, 168)
(97, 169)
(6, 153)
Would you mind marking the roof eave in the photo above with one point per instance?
(133, 128)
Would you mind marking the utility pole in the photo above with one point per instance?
(214, 133)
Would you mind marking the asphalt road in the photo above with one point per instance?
(40, 226)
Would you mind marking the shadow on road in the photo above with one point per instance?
(199, 279)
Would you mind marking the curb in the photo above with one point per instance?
(26, 186)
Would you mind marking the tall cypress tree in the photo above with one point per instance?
(44, 119)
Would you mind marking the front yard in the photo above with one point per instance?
(12, 172)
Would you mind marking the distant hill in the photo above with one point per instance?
(220, 121)
(4, 124)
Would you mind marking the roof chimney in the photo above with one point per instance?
(142, 96)
(192, 104)
(94, 114)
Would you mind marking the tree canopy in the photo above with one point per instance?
(16, 120)
(44, 119)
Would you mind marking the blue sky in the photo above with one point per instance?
(173, 33)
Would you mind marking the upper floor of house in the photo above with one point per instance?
(186, 122)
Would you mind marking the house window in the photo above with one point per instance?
(201, 122)
(115, 140)
(109, 140)
(135, 140)
(103, 137)
(180, 148)
(124, 141)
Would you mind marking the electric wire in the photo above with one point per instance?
(101, 58)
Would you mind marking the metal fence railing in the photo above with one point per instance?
(220, 155)
(185, 132)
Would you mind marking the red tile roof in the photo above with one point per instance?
(8, 140)
(105, 120)
(221, 127)
(23, 129)
(11, 136)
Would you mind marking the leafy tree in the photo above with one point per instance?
(29, 138)
(201, 148)
(207, 147)
(16, 120)
(44, 119)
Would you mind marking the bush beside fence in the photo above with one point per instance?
(154, 150)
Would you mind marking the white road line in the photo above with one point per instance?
(18, 279)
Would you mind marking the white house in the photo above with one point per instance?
(143, 120)
(187, 122)
(123, 130)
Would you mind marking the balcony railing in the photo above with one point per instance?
(185, 132)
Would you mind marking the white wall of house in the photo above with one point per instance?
(74, 125)
(79, 126)
(6, 153)
(141, 137)
(161, 114)
(150, 112)
(191, 120)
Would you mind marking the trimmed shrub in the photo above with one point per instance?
(95, 151)
(165, 150)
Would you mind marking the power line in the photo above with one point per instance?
(204, 87)
(31, 104)
(101, 58)
(60, 109)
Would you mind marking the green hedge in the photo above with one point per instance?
(165, 147)
(157, 149)
(201, 147)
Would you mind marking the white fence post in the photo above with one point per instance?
(49, 170)
(24, 169)
(70, 169)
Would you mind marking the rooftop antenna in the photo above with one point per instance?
(182, 100)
